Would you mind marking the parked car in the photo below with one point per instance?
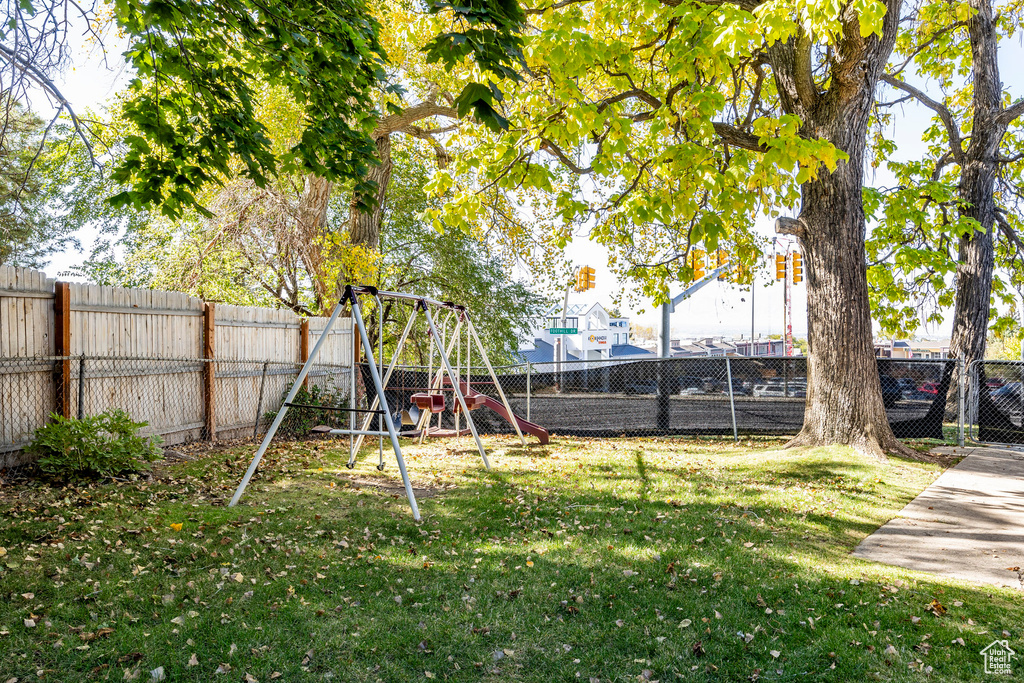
(692, 391)
(892, 391)
(929, 388)
(1008, 398)
(793, 390)
(650, 387)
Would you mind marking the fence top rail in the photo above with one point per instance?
(157, 359)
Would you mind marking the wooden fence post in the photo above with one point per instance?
(62, 345)
(209, 403)
(304, 347)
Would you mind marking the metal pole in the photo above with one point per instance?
(380, 360)
(753, 289)
(458, 391)
(81, 387)
(666, 330)
(458, 367)
(284, 407)
(387, 378)
(494, 378)
(962, 397)
(384, 406)
(529, 372)
(259, 402)
(352, 394)
(434, 382)
(732, 400)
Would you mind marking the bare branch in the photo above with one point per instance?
(941, 110)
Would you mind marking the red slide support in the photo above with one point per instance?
(498, 407)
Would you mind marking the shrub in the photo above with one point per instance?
(97, 446)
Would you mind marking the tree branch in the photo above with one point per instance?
(941, 110)
(1009, 114)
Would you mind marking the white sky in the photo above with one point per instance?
(718, 309)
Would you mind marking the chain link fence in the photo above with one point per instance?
(996, 402)
(707, 396)
(167, 394)
(712, 396)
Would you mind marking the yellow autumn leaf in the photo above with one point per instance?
(177, 526)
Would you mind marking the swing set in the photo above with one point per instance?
(424, 404)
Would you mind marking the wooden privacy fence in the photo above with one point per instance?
(189, 368)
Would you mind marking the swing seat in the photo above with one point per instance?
(432, 403)
(472, 403)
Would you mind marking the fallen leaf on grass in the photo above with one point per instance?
(177, 526)
(775, 654)
(193, 661)
(157, 674)
(223, 669)
(30, 623)
(249, 678)
(685, 623)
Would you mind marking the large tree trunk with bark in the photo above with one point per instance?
(977, 191)
(311, 217)
(364, 223)
(844, 395)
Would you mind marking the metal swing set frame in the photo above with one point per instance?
(379, 407)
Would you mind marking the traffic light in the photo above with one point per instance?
(722, 259)
(780, 266)
(798, 267)
(697, 263)
(585, 279)
(590, 277)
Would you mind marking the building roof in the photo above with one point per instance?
(542, 352)
(620, 350)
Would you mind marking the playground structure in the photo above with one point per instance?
(425, 404)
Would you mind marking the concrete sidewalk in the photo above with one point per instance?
(969, 524)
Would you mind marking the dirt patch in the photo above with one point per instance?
(394, 486)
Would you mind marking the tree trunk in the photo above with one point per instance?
(364, 223)
(311, 217)
(844, 395)
(977, 190)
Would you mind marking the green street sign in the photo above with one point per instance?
(563, 330)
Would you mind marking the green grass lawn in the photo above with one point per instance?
(609, 560)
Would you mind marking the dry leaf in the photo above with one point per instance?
(176, 526)
(157, 674)
(193, 661)
(249, 678)
(775, 654)
(685, 623)
(223, 669)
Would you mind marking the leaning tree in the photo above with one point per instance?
(658, 126)
(954, 213)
